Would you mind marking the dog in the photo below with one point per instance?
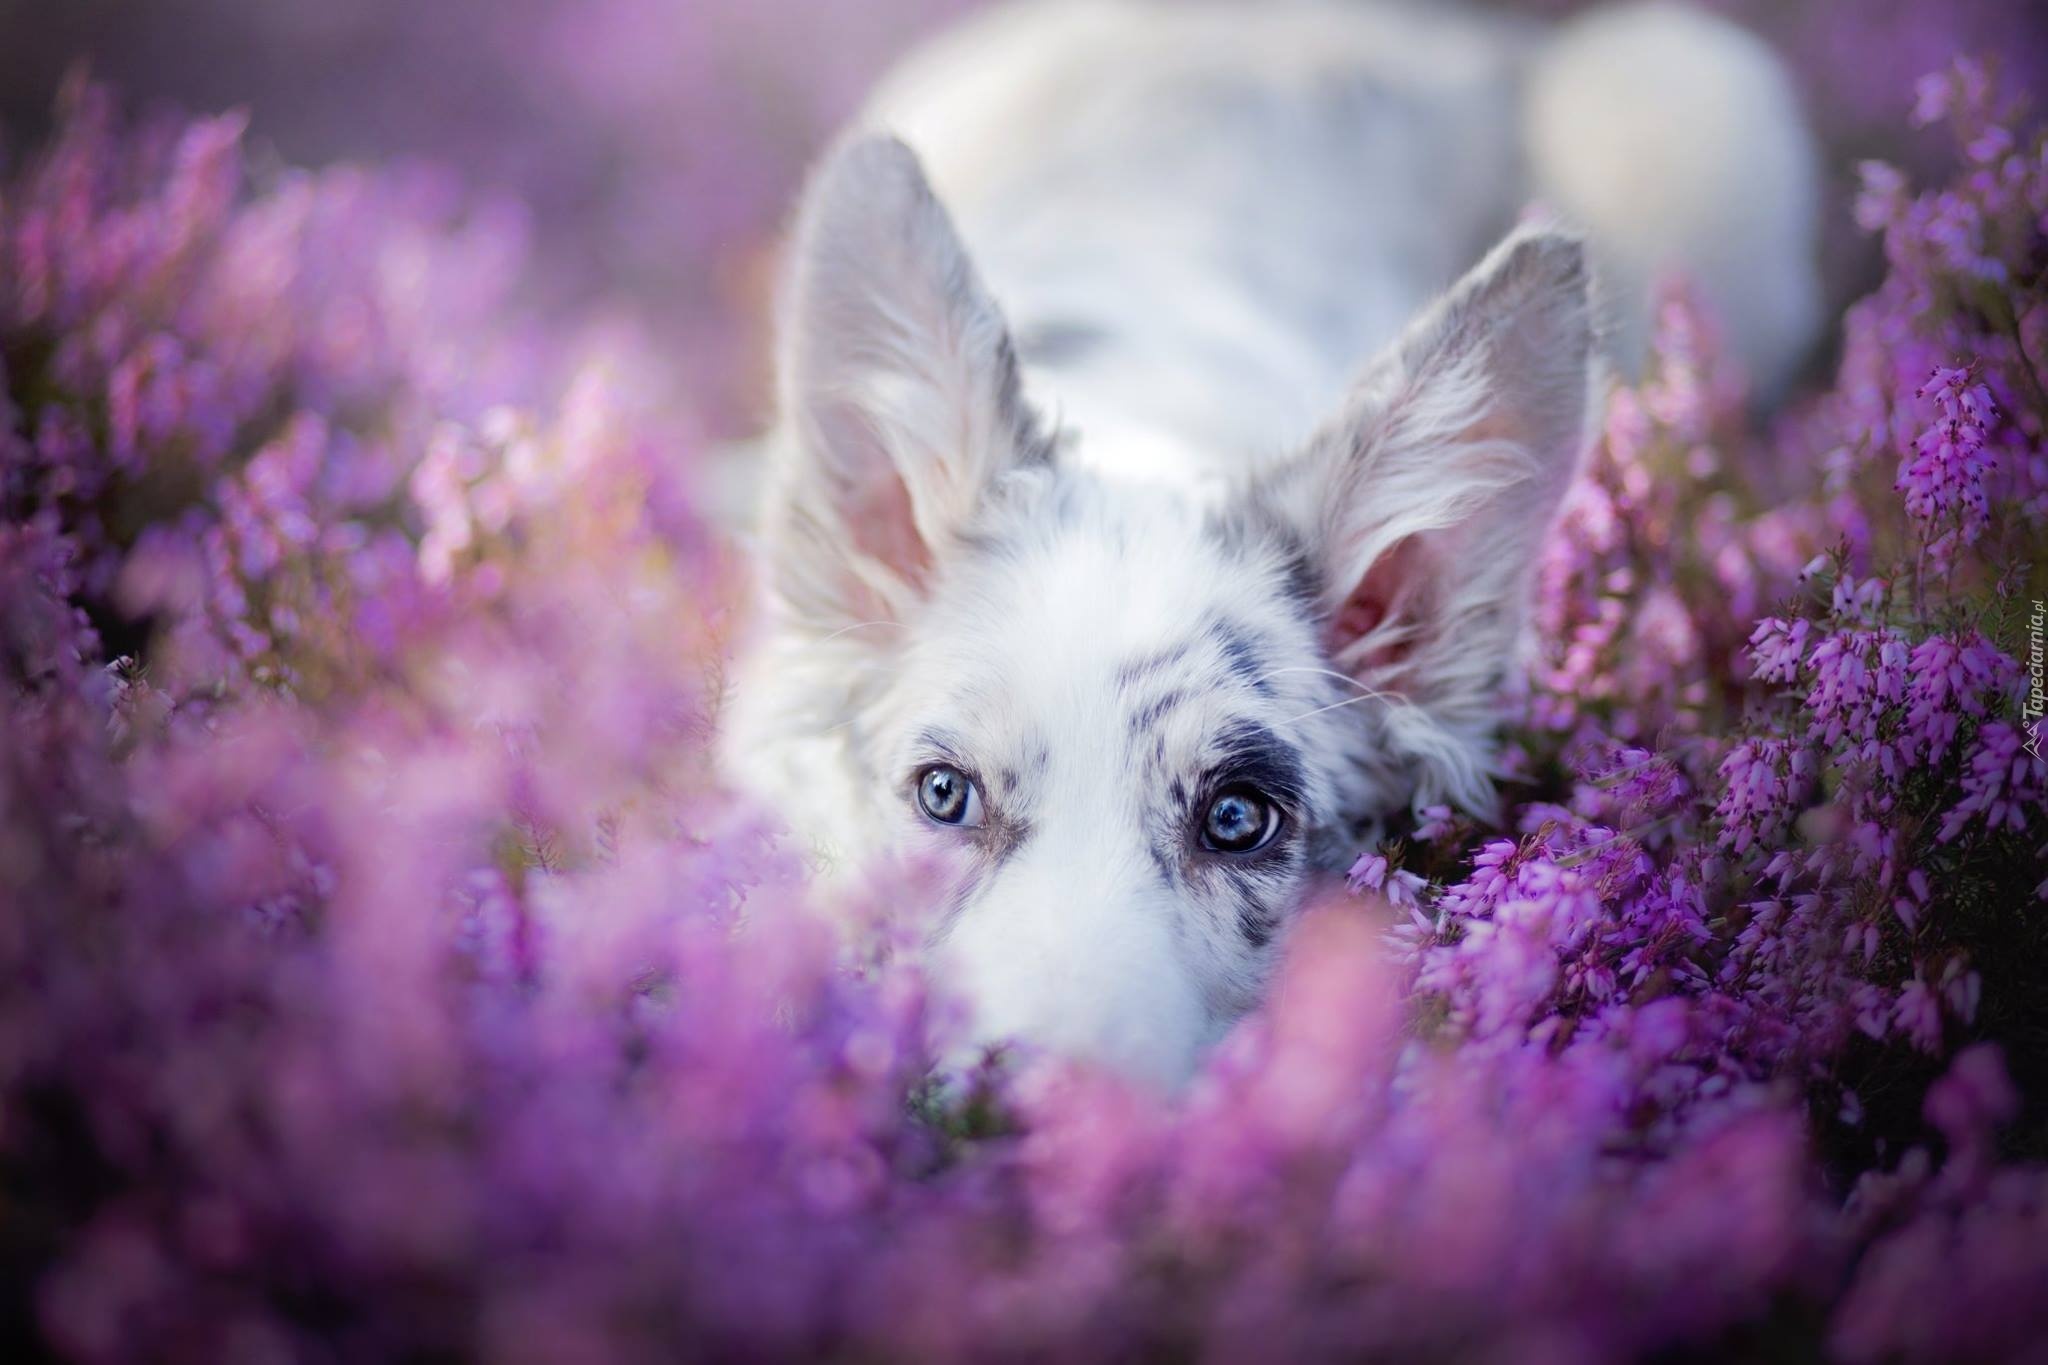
(1164, 446)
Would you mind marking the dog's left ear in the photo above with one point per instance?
(1425, 503)
(899, 393)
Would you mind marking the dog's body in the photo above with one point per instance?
(1106, 560)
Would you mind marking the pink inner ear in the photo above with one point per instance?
(1378, 596)
(1359, 614)
(879, 516)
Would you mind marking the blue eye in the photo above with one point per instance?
(1240, 820)
(947, 796)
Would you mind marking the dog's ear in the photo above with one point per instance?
(900, 404)
(1425, 503)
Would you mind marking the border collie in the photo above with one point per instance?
(1173, 400)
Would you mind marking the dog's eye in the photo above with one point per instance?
(1240, 820)
(947, 795)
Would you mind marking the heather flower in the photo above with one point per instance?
(1371, 873)
(1944, 477)
(1761, 791)
(1777, 647)
(2005, 786)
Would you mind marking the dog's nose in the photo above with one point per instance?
(1086, 971)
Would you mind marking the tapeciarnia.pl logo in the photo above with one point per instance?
(2031, 707)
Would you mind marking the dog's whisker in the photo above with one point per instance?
(1344, 678)
(1368, 692)
(859, 625)
(1391, 698)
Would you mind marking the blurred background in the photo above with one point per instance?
(628, 133)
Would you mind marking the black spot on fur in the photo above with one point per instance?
(1303, 585)
(1144, 666)
(1255, 921)
(1257, 888)
(1241, 654)
(1163, 864)
(1034, 446)
(1147, 717)
(1252, 531)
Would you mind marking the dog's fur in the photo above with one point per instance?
(1115, 526)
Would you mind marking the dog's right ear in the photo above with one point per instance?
(899, 394)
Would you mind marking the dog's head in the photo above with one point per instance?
(1142, 720)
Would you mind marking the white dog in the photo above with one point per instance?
(1152, 534)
